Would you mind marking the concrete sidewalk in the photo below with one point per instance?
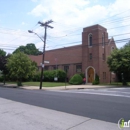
(68, 87)
(89, 86)
(19, 116)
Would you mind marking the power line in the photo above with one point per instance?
(93, 39)
(76, 27)
(75, 41)
(69, 42)
(70, 35)
(76, 47)
(116, 15)
(94, 44)
(115, 21)
(80, 33)
(99, 22)
(36, 24)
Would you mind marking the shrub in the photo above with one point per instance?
(76, 79)
(36, 76)
(61, 75)
(96, 81)
(49, 75)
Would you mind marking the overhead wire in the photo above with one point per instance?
(101, 20)
(66, 30)
(36, 24)
(71, 25)
(117, 41)
(80, 33)
(74, 41)
(81, 45)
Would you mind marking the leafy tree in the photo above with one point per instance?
(127, 44)
(2, 52)
(2, 62)
(119, 62)
(3, 68)
(29, 49)
(20, 66)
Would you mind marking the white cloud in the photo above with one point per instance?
(80, 13)
(119, 6)
(39, 10)
(70, 13)
(12, 39)
(70, 17)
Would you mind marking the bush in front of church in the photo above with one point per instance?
(96, 81)
(76, 79)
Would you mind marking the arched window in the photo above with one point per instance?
(103, 40)
(90, 39)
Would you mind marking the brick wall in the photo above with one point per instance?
(94, 56)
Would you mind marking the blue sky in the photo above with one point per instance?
(13, 14)
(69, 16)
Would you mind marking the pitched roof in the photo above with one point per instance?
(65, 55)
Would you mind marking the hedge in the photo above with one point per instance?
(76, 79)
(96, 81)
(49, 75)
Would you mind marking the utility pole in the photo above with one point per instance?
(43, 54)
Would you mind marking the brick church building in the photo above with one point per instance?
(89, 57)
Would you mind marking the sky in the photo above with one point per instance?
(69, 18)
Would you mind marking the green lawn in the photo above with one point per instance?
(55, 84)
(45, 84)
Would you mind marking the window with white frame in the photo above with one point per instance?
(78, 68)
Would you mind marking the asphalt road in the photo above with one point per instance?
(102, 104)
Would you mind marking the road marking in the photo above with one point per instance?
(117, 95)
(120, 88)
(108, 91)
(105, 94)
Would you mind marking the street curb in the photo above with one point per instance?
(61, 87)
(8, 86)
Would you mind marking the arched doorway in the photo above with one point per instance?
(90, 75)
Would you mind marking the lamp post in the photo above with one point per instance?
(43, 56)
(45, 25)
(30, 31)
